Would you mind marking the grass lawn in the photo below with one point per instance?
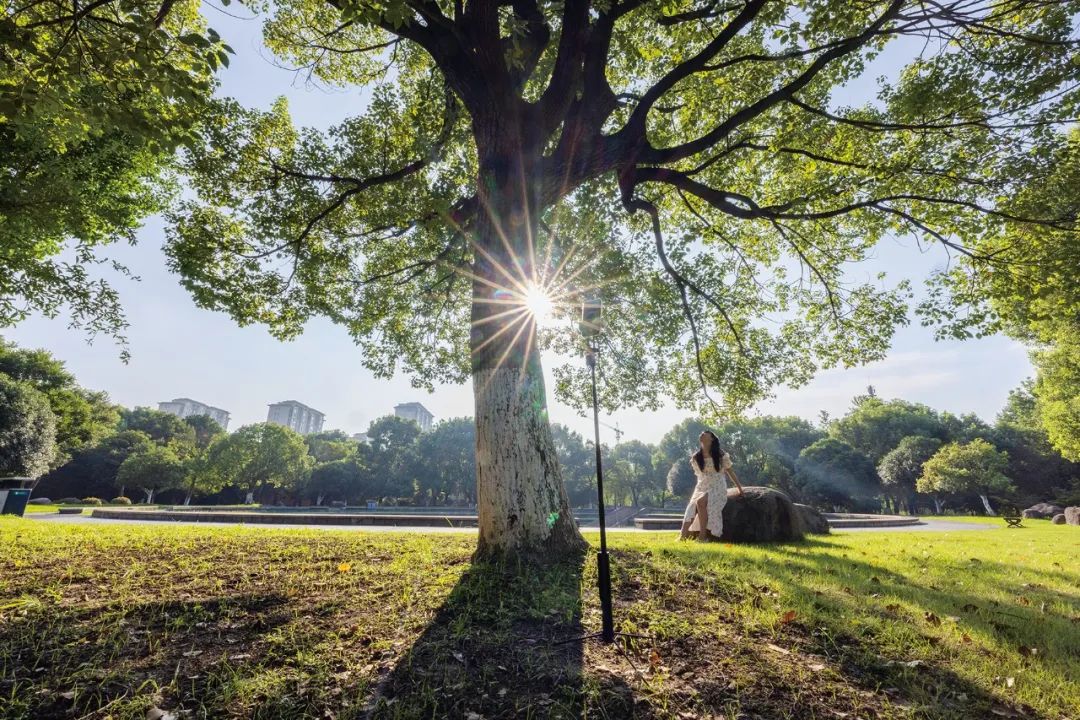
(112, 621)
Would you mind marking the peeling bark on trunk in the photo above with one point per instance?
(522, 507)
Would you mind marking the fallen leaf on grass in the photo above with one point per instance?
(816, 667)
(777, 648)
(654, 659)
(344, 567)
(907, 663)
(69, 695)
(788, 617)
(156, 713)
(193, 653)
(932, 618)
(893, 607)
(965, 638)
(1026, 651)
(1010, 682)
(459, 657)
(1023, 601)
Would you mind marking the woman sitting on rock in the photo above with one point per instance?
(704, 514)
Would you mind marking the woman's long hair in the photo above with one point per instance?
(714, 451)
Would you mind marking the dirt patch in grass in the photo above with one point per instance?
(113, 621)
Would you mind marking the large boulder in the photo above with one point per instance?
(813, 520)
(1042, 511)
(1072, 515)
(761, 514)
(1059, 519)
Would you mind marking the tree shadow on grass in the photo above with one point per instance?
(85, 660)
(497, 649)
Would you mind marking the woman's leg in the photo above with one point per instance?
(703, 517)
(688, 520)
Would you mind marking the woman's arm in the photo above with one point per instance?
(735, 478)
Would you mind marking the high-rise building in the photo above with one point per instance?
(417, 413)
(186, 407)
(296, 415)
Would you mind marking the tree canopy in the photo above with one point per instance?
(832, 473)
(83, 417)
(259, 456)
(27, 430)
(975, 467)
(94, 100)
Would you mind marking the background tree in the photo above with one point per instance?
(330, 445)
(161, 427)
(681, 479)
(902, 467)
(974, 467)
(151, 469)
(259, 456)
(445, 462)
(336, 480)
(91, 472)
(94, 98)
(27, 430)
(874, 426)
(577, 460)
(1035, 466)
(83, 417)
(830, 473)
(391, 460)
(680, 442)
(504, 144)
(640, 478)
(765, 449)
(206, 430)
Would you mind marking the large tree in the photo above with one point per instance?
(691, 164)
(975, 467)
(152, 469)
(259, 456)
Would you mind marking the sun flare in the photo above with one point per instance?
(539, 305)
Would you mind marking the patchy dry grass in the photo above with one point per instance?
(110, 621)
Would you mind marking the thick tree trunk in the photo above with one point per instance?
(937, 506)
(986, 504)
(249, 499)
(522, 506)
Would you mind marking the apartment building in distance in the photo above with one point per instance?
(186, 407)
(417, 413)
(296, 415)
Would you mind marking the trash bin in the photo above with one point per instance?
(14, 494)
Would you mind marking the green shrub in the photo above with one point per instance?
(70, 501)
(92, 501)
(120, 501)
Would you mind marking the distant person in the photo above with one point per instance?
(705, 512)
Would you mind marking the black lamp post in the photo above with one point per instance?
(591, 312)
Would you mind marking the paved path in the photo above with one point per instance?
(928, 525)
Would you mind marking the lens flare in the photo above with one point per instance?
(539, 304)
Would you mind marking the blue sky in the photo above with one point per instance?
(180, 350)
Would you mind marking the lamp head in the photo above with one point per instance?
(592, 319)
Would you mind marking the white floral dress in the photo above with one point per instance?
(710, 484)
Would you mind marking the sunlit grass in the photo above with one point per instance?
(252, 622)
